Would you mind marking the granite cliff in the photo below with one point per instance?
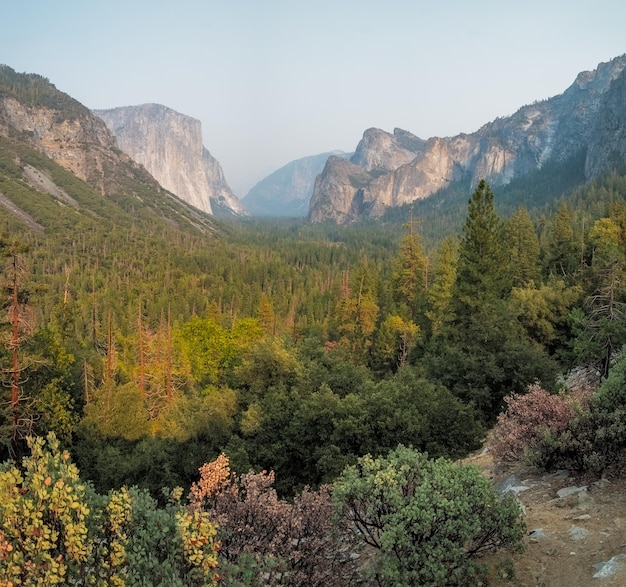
(34, 112)
(287, 191)
(389, 170)
(607, 145)
(169, 145)
(61, 165)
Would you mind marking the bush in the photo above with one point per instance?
(530, 418)
(266, 541)
(54, 530)
(594, 439)
(429, 520)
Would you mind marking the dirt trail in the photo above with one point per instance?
(567, 535)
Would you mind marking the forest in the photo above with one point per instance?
(180, 376)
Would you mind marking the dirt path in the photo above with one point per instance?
(567, 534)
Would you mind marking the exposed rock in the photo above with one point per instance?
(610, 567)
(380, 151)
(169, 145)
(35, 116)
(40, 181)
(287, 191)
(397, 169)
(577, 533)
(80, 143)
(339, 192)
(537, 534)
(607, 148)
(24, 217)
(511, 485)
(567, 491)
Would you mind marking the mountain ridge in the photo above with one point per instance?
(60, 165)
(286, 192)
(381, 177)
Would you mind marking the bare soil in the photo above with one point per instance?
(566, 536)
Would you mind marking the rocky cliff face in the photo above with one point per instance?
(169, 145)
(69, 134)
(37, 119)
(607, 145)
(287, 191)
(393, 169)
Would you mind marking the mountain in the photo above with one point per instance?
(60, 167)
(169, 145)
(287, 191)
(389, 170)
(607, 144)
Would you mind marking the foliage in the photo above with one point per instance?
(268, 541)
(429, 520)
(595, 437)
(544, 311)
(43, 518)
(529, 417)
(56, 531)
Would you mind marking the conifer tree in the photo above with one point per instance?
(481, 353)
(481, 259)
(522, 245)
(410, 274)
(440, 293)
(562, 258)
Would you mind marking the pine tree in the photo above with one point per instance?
(410, 275)
(440, 292)
(522, 245)
(562, 254)
(480, 272)
(481, 353)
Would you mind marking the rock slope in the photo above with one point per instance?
(393, 169)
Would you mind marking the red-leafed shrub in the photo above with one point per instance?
(529, 417)
(268, 541)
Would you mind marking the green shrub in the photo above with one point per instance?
(429, 520)
(55, 530)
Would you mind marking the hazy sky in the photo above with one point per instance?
(276, 80)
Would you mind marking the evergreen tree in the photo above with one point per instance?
(440, 292)
(480, 274)
(562, 253)
(522, 245)
(410, 275)
(482, 353)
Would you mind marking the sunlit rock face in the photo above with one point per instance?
(390, 170)
(169, 145)
(71, 136)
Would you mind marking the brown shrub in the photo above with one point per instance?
(269, 540)
(528, 417)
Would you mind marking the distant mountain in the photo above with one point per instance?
(60, 167)
(390, 170)
(287, 191)
(169, 145)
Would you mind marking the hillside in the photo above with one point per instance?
(575, 526)
(61, 166)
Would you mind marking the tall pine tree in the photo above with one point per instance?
(481, 352)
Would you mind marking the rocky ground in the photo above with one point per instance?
(576, 528)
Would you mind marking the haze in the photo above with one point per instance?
(274, 80)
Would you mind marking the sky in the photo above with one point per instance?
(276, 80)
